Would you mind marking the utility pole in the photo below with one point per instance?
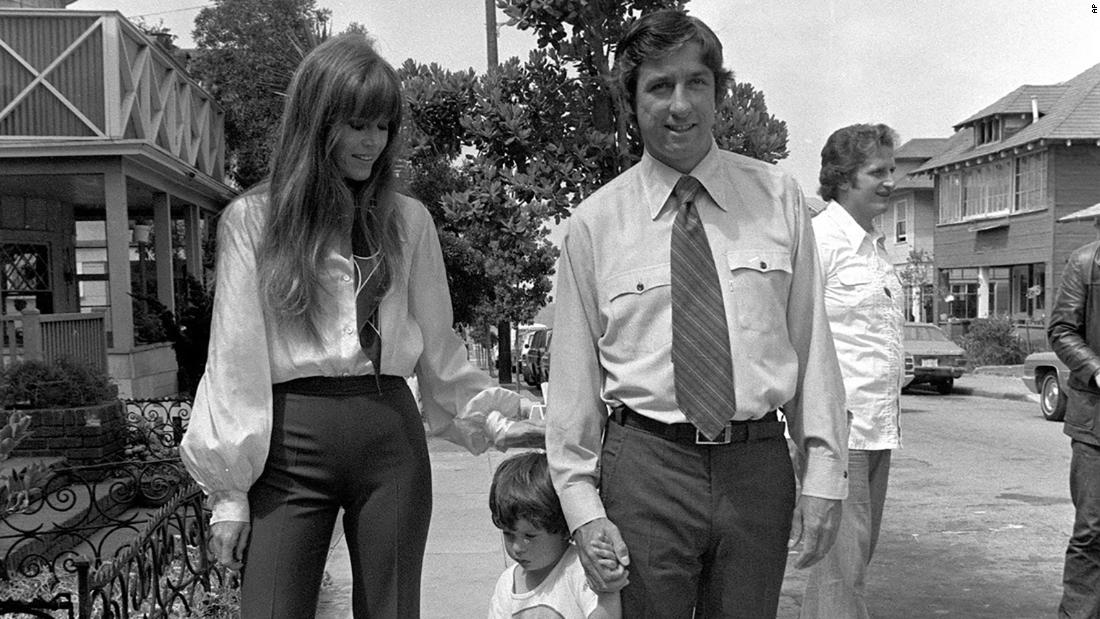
(505, 340)
(491, 32)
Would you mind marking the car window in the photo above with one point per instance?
(925, 333)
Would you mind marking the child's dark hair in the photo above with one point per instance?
(522, 490)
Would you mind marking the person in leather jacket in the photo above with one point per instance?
(1074, 334)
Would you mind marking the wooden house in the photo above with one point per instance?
(111, 172)
(908, 226)
(1002, 182)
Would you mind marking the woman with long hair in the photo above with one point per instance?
(330, 291)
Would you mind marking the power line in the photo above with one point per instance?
(188, 8)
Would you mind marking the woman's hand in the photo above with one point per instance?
(228, 539)
(504, 401)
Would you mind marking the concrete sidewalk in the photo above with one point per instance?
(465, 554)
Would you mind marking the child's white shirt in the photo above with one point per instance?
(565, 591)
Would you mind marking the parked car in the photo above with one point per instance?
(936, 359)
(520, 353)
(534, 373)
(1045, 374)
(909, 375)
(544, 359)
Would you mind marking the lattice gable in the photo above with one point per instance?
(45, 60)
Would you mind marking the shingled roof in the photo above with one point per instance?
(1068, 111)
(920, 148)
(1019, 102)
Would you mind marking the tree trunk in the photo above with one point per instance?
(504, 354)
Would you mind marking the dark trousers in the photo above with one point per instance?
(706, 527)
(1081, 577)
(356, 444)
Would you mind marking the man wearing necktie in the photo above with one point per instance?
(689, 317)
(864, 302)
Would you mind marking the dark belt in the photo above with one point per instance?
(340, 386)
(765, 427)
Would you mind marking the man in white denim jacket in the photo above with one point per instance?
(863, 299)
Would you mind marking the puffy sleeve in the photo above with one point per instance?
(447, 379)
(227, 439)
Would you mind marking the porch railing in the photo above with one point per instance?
(47, 337)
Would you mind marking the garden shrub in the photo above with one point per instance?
(993, 341)
(64, 383)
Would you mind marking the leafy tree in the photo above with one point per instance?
(247, 51)
(917, 270)
(498, 156)
(495, 157)
(158, 32)
(583, 33)
(743, 125)
(437, 99)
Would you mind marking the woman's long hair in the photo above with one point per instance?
(311, 207)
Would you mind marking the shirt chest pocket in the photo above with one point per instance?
(757, 289)
(853, 286)
(639, 310)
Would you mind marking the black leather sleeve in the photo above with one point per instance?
(1067, 329)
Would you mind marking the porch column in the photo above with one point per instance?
(162, 236)
(983, 292)
(192, 241)
(118, 260)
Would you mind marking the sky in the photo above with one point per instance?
(918, 66)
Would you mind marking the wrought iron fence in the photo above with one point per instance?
(117, 539)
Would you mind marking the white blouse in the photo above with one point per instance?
(227, 439)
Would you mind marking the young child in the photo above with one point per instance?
(547, 580)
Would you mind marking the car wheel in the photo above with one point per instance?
(944, 387)
(1052, 400)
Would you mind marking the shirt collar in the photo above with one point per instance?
(846, 224)
(658, 180)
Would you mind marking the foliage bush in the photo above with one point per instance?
(152, 320)
(60, 384)
(191, 333)
(993, 341)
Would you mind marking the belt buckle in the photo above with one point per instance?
(721, 439)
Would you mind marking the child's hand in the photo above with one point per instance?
(607, 560)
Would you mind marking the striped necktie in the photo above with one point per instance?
(701, 360)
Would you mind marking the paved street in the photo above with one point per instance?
(975, 526)
(977, 515)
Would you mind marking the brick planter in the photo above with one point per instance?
(83, 435)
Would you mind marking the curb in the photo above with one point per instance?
(998, 395)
